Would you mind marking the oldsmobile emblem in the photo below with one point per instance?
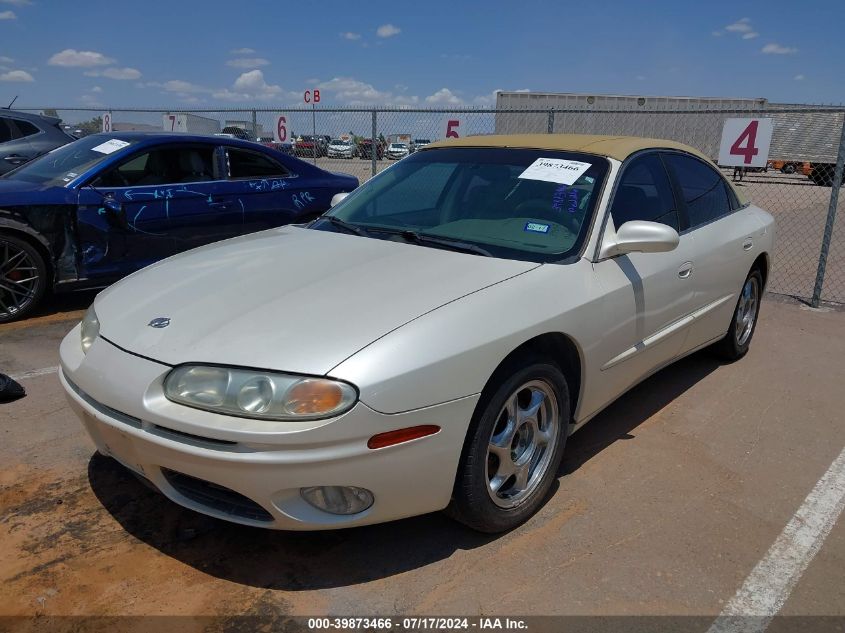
(159, 322)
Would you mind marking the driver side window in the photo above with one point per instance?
(644, 193)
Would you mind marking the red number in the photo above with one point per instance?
(316, 96)
(281, 130)
(107, 123)
(749, 136)
(451, 129)
(172, 118)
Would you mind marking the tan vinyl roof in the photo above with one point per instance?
(618, 147)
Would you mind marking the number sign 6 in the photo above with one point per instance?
(281, 132)
(745, 142)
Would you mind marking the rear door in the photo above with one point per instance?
(720, 233)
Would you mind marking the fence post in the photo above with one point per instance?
(373, 146)
(552, 121)
(254, 125)
(831, 217)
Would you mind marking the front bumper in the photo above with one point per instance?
(251, 471)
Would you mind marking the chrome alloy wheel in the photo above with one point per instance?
(522, 443)
(746, 310)
(18, 279)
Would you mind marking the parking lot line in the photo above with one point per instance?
(769, 584)
(34, 373)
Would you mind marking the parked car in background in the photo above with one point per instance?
(437, 337)
(24, 136)
(106, 205)
(269, 141)
(823, 174)
(365, 149)
(304, 146)
(397, 150)
(237, 132)
(340, 148)
(419, 143)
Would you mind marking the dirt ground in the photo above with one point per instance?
(664, 504)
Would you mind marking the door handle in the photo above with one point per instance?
(685, 270)
(15, 159)
(219, 204)
(747, 244)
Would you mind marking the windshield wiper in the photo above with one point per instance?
(347, 226)
(446, 242)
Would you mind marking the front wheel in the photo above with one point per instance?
(738, 339)
(513, 448)
(23, 278)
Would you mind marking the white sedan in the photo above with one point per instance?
(428, 344)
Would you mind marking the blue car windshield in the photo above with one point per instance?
(59, 167)
(528, 204)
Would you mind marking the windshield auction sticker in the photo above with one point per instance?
(559, 170)
(110, 146)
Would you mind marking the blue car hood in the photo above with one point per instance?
(16, 192)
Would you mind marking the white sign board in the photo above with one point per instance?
(174, 123)
(280, 129)
(559, 170)
(106, 121)
(452, 126)
(745, 142)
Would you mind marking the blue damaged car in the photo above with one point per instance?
(100, 208)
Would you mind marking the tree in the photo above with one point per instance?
(91, 127)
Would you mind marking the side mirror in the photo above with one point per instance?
(338, 198)
(112, 204)
(115, 211)
(639, 236)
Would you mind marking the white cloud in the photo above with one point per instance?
(444, 96)
(89, 100)
(18, 3)
(750, 35)
(5, 60)
(83, 59)
(186, 87)
(247, 62)
(388, 30)
(487, 100)
(352, 92)
(8, 15)
(17, 75)
(349, 35)
(252, 86)
(115, 73)
(242, 51)
(96, 89)
(717, 33)
(777, 49)
(740, 26)
(798, 77)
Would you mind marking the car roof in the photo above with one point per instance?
(181, 137)
(30, 116)
(618, 147)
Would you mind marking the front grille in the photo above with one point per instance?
(216, 497)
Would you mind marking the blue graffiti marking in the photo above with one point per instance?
(267, 185)
(302, 199)
(564, 197)
(163, 194)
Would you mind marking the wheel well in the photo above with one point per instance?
(37, 245)
(762, 264)
(558, 348)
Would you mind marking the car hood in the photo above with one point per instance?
(9, 187)
(291, 299)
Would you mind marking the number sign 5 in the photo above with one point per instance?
(745, 142)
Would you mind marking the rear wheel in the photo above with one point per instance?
(513, 448)
(738, 339)
(23, 278)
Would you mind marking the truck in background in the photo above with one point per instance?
(189, 123)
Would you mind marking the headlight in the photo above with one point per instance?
(90, 329)
(261, 395)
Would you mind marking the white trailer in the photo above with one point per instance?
(189, 123)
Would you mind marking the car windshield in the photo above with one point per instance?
(64, 164)
(485, 198)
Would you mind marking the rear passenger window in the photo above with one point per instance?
(26, 128)
(644, 193)
(5, 130)
(702, 187)
(244, 164)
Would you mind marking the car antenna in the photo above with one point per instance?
(11, 103)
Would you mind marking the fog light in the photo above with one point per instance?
(338, 499)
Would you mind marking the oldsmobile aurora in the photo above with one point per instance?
(429, 343)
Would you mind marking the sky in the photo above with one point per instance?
(422, 53)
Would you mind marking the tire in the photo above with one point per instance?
(744, 320)
(494, 495)
(23, 278)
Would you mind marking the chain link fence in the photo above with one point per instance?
(799, 187)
